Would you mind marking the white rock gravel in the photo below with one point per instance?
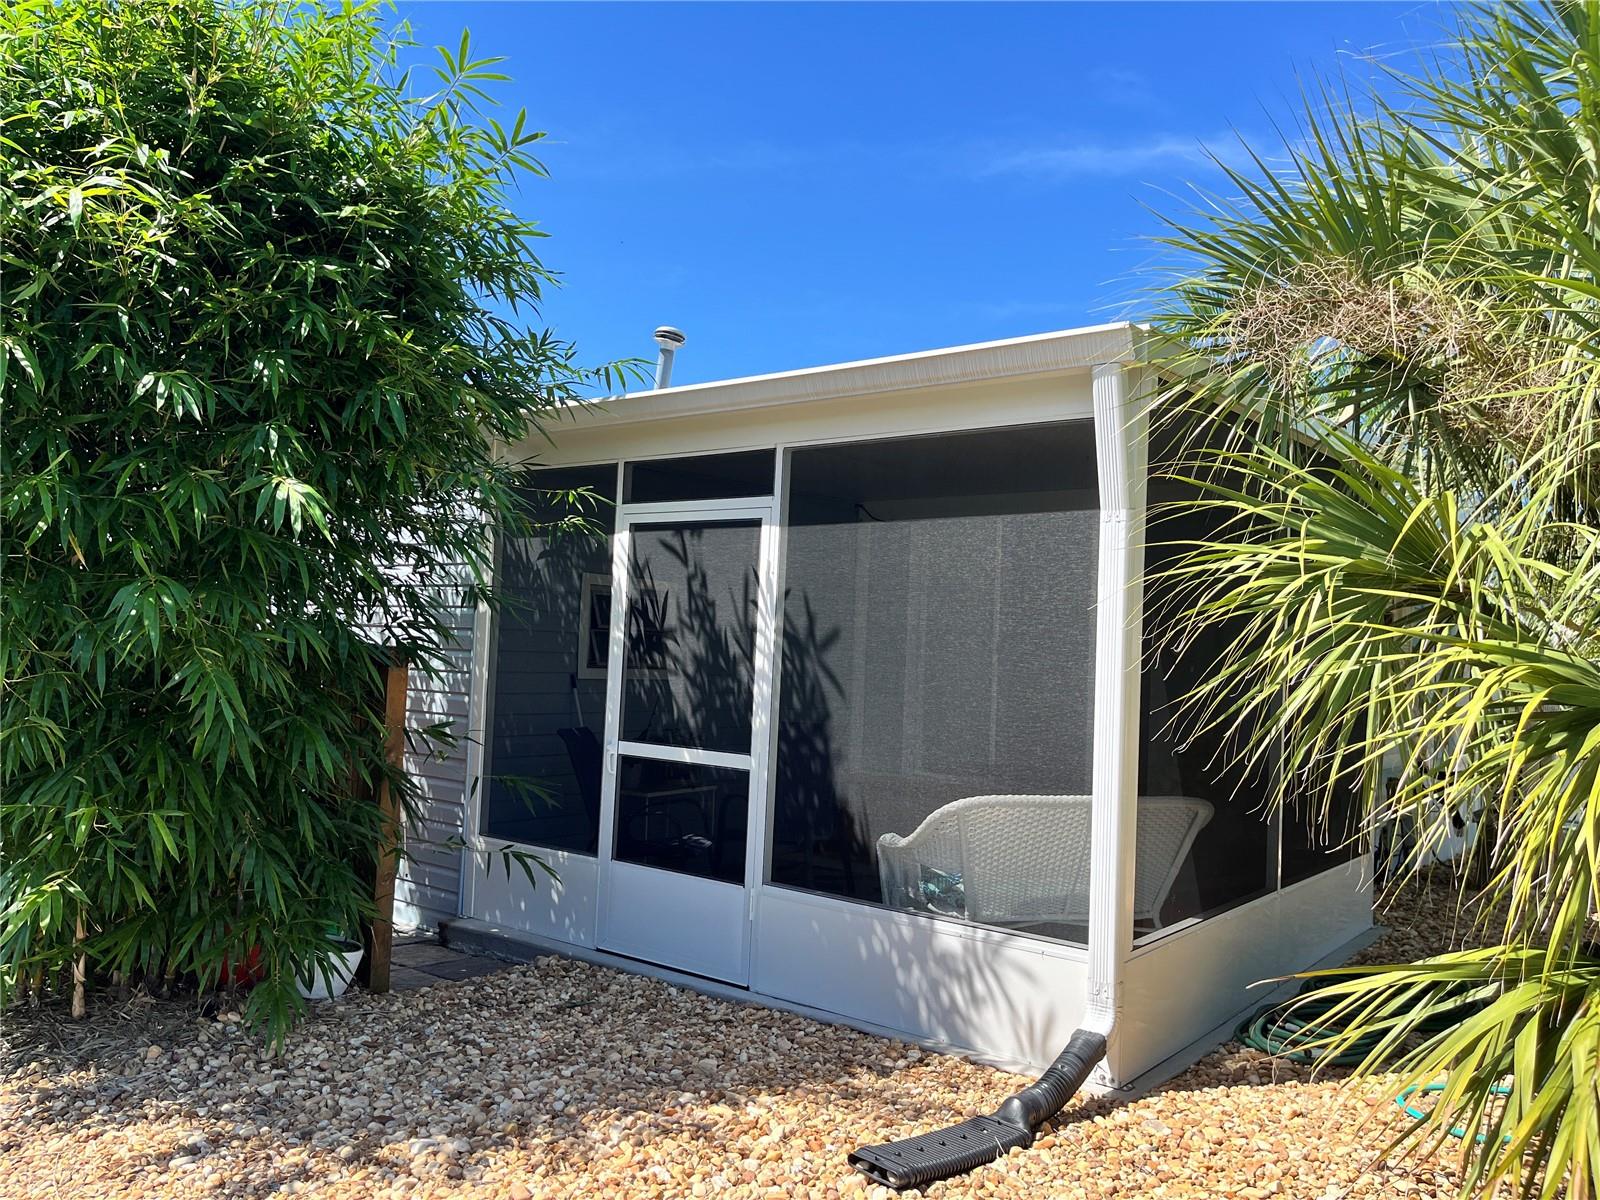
(562, 1079)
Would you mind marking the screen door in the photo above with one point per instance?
(689, 673)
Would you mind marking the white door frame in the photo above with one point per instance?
(691, 923)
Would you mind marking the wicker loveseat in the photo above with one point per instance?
(1025, 860)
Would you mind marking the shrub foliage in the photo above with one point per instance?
(265, 311)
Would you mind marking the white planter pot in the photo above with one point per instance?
(313, 986)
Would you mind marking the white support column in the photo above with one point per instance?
(769, 681)
(1121, 449)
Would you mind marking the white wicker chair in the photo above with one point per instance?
(1025, 860)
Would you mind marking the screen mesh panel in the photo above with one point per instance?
(542, 783)
(700, 477)
(1314, 840)
(938, 646)
(1244, 851)
(690, 636)
(682, 817)
(1234, 855)
(1234, 858)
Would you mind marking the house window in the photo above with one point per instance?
(594, 630)
(647, 636)
(935, 738)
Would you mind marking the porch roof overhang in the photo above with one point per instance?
(1043, 354)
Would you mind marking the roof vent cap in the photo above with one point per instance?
(670, 340)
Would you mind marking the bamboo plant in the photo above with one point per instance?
(265, 310)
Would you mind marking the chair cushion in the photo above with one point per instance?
(941, 892)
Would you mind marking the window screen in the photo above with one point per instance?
(1314, 840)
(1317, 838)
(938, 649)
(542, 785)
(682, 817)
(1235, 854)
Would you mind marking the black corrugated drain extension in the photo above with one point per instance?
(955, 1151)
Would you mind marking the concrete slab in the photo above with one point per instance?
(423, 954)
(405, 979)
(464, 966)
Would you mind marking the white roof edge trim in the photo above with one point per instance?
(1010, 358)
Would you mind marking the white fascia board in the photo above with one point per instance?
(1012, 358)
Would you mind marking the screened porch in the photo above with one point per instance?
(817, 715)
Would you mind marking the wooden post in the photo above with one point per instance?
(394, 748)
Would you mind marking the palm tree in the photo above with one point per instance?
(1397, 323)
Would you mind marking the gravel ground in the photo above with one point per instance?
(564, 1079)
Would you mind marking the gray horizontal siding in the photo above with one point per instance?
(428, 886)
(428, 883)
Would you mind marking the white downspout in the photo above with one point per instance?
(1120, 427)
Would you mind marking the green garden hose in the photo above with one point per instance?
(1456, 1131)
(1296, 1029)
(1292, 1031)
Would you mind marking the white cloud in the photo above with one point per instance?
(1126, 88)
(1069, 159)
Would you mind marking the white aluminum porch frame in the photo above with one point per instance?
(822, 952)
(711, 913)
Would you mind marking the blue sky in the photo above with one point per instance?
(802, 184)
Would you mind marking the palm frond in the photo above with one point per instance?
(1395, 336)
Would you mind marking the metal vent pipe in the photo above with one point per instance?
(669, 339)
